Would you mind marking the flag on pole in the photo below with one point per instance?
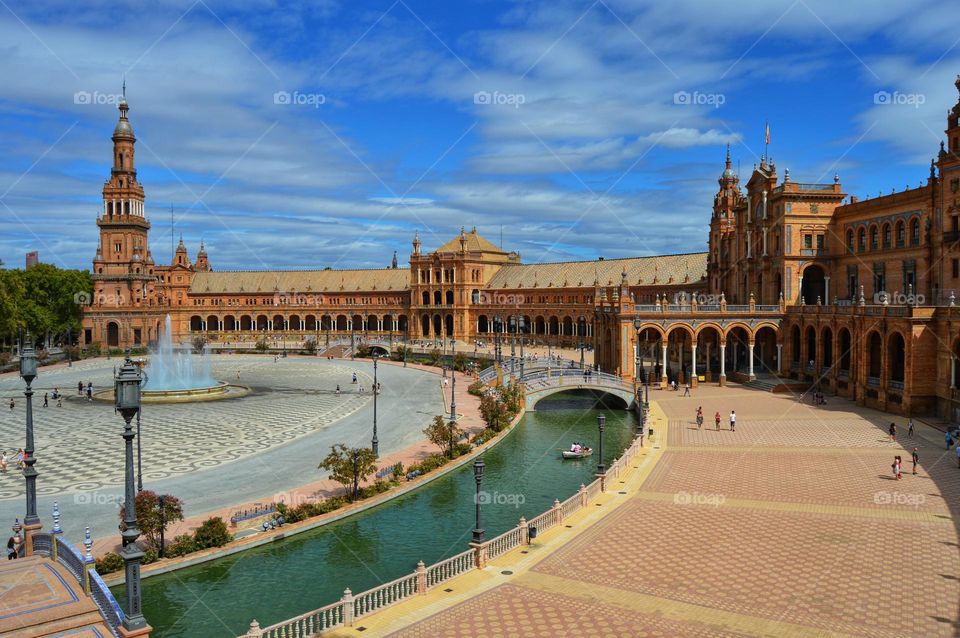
(767, 134)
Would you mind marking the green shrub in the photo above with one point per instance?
(363, 351)
(180, 546)
(429, 464)
(5, 358)
(150, 556)
(94, 350)
(310, 347)
(477, 388)
(110, 562)
(460, 449)
(262, 345)
(212, 533)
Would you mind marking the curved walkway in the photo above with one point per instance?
(792, 526)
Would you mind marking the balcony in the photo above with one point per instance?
(814, 252)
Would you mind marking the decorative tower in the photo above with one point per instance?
(180, 257)
(722, 225)
(202, 264)
(416, 243)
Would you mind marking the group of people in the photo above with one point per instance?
(4, 463)
(716, 419)
(577, 447)
(898, 463)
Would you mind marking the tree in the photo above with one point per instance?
(493, 412)
(443, 434)
(350, 466)
(147, 504)
(212, 533)
(199, 344)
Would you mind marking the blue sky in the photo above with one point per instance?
(582, 149)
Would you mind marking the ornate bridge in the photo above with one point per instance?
(543, 383)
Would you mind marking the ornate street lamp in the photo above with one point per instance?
(375, 443)
(521, 324)
(127, 403)
(601, 422)
(581, 328)
(478, 467)
(453, 396)
(163, 521)
(28, 372)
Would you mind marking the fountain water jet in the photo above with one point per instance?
(175, 368)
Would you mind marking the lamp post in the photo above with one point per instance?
(139, 458)
(375, 442)
(580, 329)
(127, 403)
(636, 357)
(163, 521)
(453, 396)
(28, 372)
(478, 467)
(601, 422)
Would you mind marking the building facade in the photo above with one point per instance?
(800, 281)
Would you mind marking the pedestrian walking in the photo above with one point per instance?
(20, 456)
(893, 431)
(89, 393)
(733, 420)
(12, 548)
(947, 436)
(716, 417)
(3, 461)
(915, 457)
(896, 467)
(910, 428)
(46, 400)
(958, 456)
(686, 389)
(12, 404)
(80, 388)
(60, 401)
(699, 417)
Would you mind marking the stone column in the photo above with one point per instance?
(723, 363)
(693, 366)
(752, 376)
(826, 290)
(663, 366)
(779, 354)
(953, 371)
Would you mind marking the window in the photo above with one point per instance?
(850, 240)
(915, 232)
(887, 236)
(900, 235)
(118, 247)
(808, 241)
(874, 238)
(862, 240)
(819, 242)
(956, 268)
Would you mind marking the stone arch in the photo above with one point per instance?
(897, 356)
(900, 234)
(293, 323)
(425, 296)
(437, 298)
(915, 230)
(213, 323)
(874, 237)
(341, 322)
(356, 323)
(554, 325)
(845, 347)
(402, 323)
(814, 284)
(539, 325)
(826, 346)
(810, 341)
(483, 324)
(425, 324)
(449, 299)
(261, 322)
(230, 323)
(196, 323)
(437, 325)
(874, 348)
(310, 323)
(448, 325)
(765, 339)
(886, 235)
(246, 323)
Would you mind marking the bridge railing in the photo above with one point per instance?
(343, 612)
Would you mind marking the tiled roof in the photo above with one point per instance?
(688, 268)
(301, 281)
(474, 243)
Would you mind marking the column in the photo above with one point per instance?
(826, 290)
(663, 364)
(749, 244)
(723, 363)
(800, 290)
(953, 371)
(779, 353)
(752, 376)
(693, 365)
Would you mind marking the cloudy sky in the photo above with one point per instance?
(325, 133)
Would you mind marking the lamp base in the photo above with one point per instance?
(143, 632)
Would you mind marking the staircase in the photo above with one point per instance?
(773, 383)
(39, 597)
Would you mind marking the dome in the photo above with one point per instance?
(728, 173)
(123, 128)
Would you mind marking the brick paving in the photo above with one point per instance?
(790, 526)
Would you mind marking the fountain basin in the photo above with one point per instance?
(218, 392)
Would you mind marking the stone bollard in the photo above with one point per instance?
(254, 631)
(421, 578)
(558, 511)
(524, 531)
(89, 564)
(347, 607)
(480, 554)
(583, 495)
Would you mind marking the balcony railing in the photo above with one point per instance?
(813, 252)
(873, 382)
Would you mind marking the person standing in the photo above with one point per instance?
(686, 389)
(909, 428)
(3, 461)
(716, 417)
(12, 548)
(947, 436)
(12, 404)
(893, 431)
(896, 467)
(46, 400)
(699, 417)
(80, 388)
(915, 457)
(733, 420)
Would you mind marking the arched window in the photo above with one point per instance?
(915, 232)
(887, 236)
(901, 235)
(874, 238)
(862, 240)
(850, 240)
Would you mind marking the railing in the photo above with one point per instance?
(70, 558)
(895, 385)
(873, 381)
(813, 187)
(308, 624)
(453, 566)
(738, 308)
(375, 599)
(350, 607)
(843, 374)
(108, 605)
(768, 308)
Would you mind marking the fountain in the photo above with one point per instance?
(173, 374)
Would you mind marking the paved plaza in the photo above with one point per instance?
(211, 454)
(791, 526)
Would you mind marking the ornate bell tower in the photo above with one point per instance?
(123, 270)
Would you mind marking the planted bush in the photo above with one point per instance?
(212, 533)
(109, 562)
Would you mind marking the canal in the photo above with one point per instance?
(524, 474)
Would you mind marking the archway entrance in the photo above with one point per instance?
(813, 285)
(113, 335)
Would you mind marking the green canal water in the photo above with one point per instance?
(524, 474)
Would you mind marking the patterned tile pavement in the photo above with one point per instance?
(790, 526)
(292, 398)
